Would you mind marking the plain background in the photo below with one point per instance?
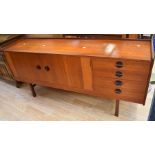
(84, 17)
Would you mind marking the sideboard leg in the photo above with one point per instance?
(117, 108)
(32, 90)
(18, 84)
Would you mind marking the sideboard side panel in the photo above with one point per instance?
(11, 64)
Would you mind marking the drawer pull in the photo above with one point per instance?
(38, 67)
(119, 64)
(47, 68)
(118, 83)
(119, 74)
(118, 91)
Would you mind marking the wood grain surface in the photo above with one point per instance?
(125, 49)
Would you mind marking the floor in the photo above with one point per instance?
(52, 104)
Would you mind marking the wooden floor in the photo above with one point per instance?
(52, 104)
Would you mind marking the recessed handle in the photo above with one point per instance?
(118, 83)
(38, 67)
(119, 64)
(118, 91)
(47, 68)
(119, 74)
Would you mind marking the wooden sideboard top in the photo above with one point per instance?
(126, 49)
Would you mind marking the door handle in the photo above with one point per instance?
(118, 91)
(119, 74)
(47, 68)
(38, 67)
(119, 64)
(118, 83)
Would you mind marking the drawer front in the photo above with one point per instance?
(124, 95)
(124, 85)
(122, 65)
(121, 74)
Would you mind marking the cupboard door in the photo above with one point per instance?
(26, 67)
(64, 71)
(55, 72)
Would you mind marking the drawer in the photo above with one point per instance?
(125, 95)
(122, 65)
(124, 85)
(120, 74)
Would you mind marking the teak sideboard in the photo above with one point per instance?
(114, 69)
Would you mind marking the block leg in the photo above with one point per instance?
(18, 84)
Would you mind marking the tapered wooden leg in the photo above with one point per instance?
(18, 84)
(117, 108)
(32, 90)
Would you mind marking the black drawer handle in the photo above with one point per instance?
(119, 74)
(119, 64)
(118, 91)
(47, 68)
(38, 67)
(118, 83)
